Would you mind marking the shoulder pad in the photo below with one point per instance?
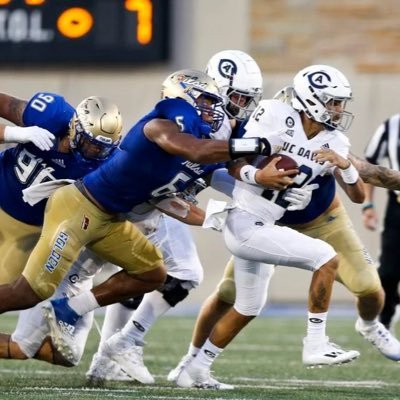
(183, 114)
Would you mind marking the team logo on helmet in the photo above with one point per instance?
(227, 68)
(319, 80)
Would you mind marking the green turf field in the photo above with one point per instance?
(264, 362)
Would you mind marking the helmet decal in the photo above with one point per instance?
(227, 68)
(318, 79)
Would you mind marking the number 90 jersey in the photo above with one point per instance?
(26, 165)
(140, 169)
(281, 125)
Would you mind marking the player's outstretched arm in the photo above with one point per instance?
(376, 174)
(167, 135)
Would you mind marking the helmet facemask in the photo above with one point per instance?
(95, 129)
(240, 104)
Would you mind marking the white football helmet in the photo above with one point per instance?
(95, 130)
(199, 90)
(239, 80)
(317, 89)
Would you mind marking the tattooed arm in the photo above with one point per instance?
(376, 174)
(12, 109)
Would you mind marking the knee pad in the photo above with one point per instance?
(133, 302)
(174, 290)
(226, 290)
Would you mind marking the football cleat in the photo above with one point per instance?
(62, 320)
(326, 353)
(199, 378)
(102, 369)
(174, 373)
(381, 338)
(129, 357)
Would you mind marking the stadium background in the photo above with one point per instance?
(360, 37)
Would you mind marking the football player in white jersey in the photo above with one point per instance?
(240, 82)
(310, 131)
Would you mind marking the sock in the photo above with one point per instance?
(366, 324)
(115, 319)
(207, 355)
(83, 303)
(150, 309)
(316, 325)
(193, 350)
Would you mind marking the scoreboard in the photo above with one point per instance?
(96, 32)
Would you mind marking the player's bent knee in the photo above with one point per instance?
(175, 290)
(249, 310)
(226, 291)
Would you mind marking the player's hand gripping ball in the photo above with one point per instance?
(285, 163)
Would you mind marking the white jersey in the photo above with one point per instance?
(281, 125)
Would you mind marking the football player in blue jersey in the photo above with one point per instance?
(239, 80)
(148, 163)
(55, 141)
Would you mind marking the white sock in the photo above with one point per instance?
(316, 326)
(193, 350)
(366, 324)
(83, 303)
(150, 309)
(207, 355)
(115, 319)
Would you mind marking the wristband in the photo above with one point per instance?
(248, 174)
(249, 147)
(243, 147)
(367, 206)
(11, 133)
(350, 175)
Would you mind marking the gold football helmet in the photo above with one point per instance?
(95, 130)
(198, 89)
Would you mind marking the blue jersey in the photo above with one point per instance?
(26, 165)
(140, 170)
(320, 201)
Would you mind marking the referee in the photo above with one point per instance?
(385, 144)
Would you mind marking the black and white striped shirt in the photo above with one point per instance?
(385, 144)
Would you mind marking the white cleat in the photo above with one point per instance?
(382, 339)
(129, 357)
(326, 353)
(102, 369)
(191, 377)
(174, 373)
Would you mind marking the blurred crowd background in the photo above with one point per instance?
(86, 53)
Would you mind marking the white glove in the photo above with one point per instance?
(299, 198)
(40, 137)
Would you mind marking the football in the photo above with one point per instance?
(284, 163)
